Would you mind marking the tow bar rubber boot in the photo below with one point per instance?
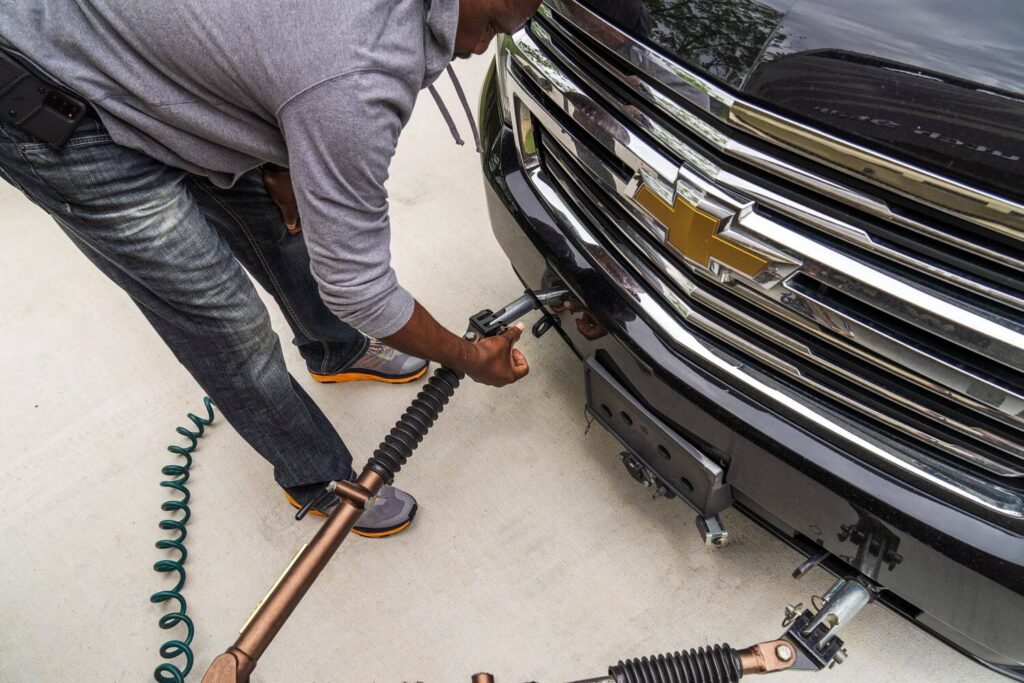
(716, 664)
(397, 447)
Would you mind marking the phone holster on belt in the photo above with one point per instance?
(36, 106)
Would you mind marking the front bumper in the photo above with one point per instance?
(955, 571)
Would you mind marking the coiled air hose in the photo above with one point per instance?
(717, 664)
(168, 671)
(389, 458)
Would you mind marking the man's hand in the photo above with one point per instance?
(498, 363)
(492, 360)
(278, 182)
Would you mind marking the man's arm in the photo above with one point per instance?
(491, 361)
(422, 336)
(341, 137)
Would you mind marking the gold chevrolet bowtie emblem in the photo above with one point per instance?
(695, 234)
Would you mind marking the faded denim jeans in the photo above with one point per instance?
(177, 245)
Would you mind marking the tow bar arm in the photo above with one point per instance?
(237, 663)
(810, 643)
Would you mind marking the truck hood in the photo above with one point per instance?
(935, 82)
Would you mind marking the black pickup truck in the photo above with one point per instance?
(794, 235)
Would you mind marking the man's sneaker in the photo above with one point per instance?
(379, 363)
(392, 513)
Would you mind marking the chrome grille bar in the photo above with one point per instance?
(959, 483)
(957, 199)
(832, 225)
(695, 292)
(976, 392)
(763, 354)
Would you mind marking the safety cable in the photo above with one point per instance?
(170, 672)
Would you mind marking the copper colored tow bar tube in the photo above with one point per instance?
(808, 644)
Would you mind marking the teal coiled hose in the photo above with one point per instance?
(172, 649)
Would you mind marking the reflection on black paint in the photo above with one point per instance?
(946, 124)
(934, 82)
(723, 38)
(634, 16)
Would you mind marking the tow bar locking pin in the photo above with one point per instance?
(355, 494)
(840, 604)
(543, 324)
(316, 502)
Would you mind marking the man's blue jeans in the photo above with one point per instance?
(177, 245)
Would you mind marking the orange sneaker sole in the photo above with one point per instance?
(366, 377)
(365, 534)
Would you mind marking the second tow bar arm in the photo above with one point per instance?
(236, 664)
(810, 643)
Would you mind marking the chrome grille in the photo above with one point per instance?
(893, 341)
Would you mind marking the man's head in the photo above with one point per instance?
(481, 20)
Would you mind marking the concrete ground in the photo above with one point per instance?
(534, 556)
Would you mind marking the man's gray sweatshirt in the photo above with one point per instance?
(216, 87)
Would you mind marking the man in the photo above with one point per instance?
(161, 187)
